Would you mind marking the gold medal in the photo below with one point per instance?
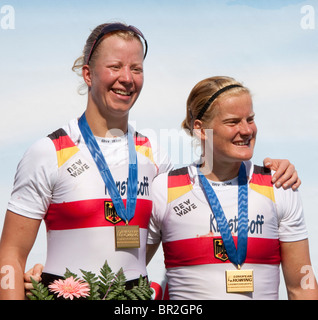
(127, 237)
(238, 281)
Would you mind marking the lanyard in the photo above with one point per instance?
(127, 213)
(237, 256)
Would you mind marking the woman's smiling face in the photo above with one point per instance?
(117, 75)
(234, 129)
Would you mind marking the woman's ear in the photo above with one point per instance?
(86, 73)
(198, 130)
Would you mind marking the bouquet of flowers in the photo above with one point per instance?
(107, 286)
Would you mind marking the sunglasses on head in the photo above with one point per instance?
(116, 27)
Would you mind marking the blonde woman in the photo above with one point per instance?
(62, 179)
(224, 226)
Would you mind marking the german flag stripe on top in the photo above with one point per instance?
(65, 147)
(261, 182)
(179, 183)
(143, 146)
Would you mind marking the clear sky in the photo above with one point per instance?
(269, 45)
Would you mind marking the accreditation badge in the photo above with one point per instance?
(239, 281)
(127, 237)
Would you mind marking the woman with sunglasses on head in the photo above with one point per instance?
(224, 227)
(80, 178)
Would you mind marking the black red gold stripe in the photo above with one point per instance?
(179, 183)
(65, 147)
(261, 182)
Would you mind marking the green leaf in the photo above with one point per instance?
(106, 279)
(93, 282)
(120, 278)
(40, 292)
(130, 295)
(69, 274)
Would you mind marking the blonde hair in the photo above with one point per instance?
(81, 61)
(200, 95)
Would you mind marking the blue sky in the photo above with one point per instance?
(260, 43)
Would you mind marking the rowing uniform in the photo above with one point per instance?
(58, 181)
(195, 256)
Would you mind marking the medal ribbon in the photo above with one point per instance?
(127, 213)
(237, 256)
